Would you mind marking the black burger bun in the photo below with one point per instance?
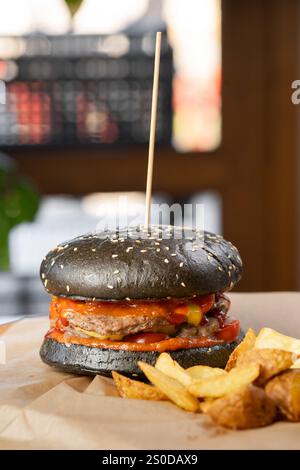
(86, 360)
(134, 264)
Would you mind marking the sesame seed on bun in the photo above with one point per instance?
(123, 296)
(167, 262)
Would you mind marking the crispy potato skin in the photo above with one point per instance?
(285, 392)
(246, 345)
(268, 338)
(129, 388)
(249, 407)
(271, 362)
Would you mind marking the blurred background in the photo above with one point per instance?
(75, 96)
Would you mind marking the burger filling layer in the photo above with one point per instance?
(182, 322)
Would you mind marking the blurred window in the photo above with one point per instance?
(194, 29)
(48, 96)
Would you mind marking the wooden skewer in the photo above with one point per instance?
(152, 130)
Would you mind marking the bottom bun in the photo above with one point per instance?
(80, 359)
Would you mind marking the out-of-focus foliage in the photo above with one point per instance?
(19, 202)
(73, 5)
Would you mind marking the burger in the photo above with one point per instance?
(118, 297)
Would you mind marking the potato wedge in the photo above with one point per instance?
(296, 364)
(285, 392)
(247, 344)
(248, 407)
(221, 385)
(129, 388)
(197, 373)
(271, 362)
(268, 338)
(173, 389)
(168, 366)
(204, 405)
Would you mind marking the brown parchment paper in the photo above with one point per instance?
(41, 408)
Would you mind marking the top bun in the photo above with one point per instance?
(134, 264)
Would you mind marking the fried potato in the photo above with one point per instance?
(268, 338)
(173, 389)
(285, 392)
(168, 366)
(129, 388)
(223, 384)
(197, 373)
(271, 362)
(248, 407)
(296, 364)
(204, 405)
(247, 344)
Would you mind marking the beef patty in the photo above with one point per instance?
(120, 325)
(128, 324)
(131, 324)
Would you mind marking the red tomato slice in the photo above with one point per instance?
(229, 332)
(146, 338)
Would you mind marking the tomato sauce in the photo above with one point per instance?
(145, 341)
(163, 308)
(171, 344)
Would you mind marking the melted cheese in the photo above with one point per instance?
(94, 334)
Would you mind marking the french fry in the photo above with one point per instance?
(247, 344)
(285, 391)
(168, 366)
(234, 397)
(173, 389)
(268, 338)
(271, 362)
(129, 388)
(197, 373)
(248, 407)
(216, 387)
